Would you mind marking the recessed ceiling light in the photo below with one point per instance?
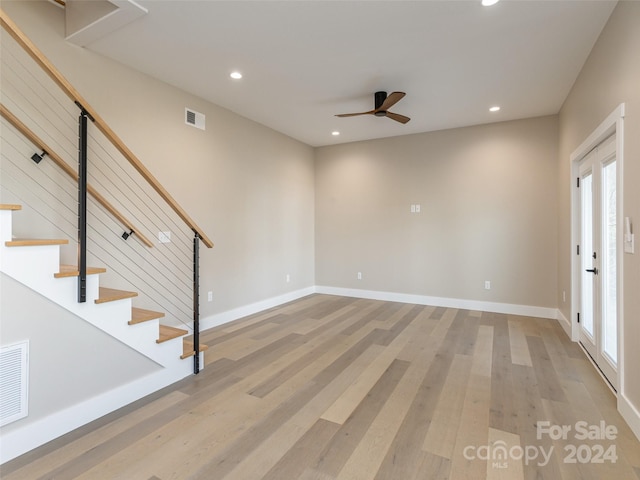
(236, 75)
(335, 133)
(488, 3)
(494, 109)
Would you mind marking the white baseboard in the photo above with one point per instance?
(20, 441)
(507, 308)
(565, 324)
(33, 435)
(23, 439)
(240, 312)
(630, 414)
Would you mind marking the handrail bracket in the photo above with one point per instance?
(84, 110)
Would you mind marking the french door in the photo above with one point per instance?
(598, 258)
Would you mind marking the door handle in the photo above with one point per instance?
(592, 270)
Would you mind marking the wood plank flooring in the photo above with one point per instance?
(334, 388)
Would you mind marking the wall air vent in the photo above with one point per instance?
(193, 118)
(14, 382)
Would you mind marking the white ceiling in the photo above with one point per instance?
(305, 61)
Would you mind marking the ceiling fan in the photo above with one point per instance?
(382, 105)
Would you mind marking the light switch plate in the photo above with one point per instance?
(629, 246)
(164, 237)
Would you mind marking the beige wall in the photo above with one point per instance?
(248, 187)
(495, 199)
(610, 76)
(488, 206)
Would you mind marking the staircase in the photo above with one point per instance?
(36, 264)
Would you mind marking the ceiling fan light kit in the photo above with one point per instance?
(382, 104)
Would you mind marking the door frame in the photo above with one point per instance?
(614, 123)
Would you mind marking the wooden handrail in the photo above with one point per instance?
(71, 92)
(38, 142)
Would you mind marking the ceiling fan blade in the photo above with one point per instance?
(355, 114)
(397, 117)
(391, 100)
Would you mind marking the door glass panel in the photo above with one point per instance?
(586, 254)
(609, 262)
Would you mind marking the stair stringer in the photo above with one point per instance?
(35, 266)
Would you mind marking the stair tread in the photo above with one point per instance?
(139, 315)
(188, 351)
(73, 271)
(10, 206)
(32, 242)
(111, 295)
(168, 333)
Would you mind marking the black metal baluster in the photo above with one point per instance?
(82, 202)
(82, 207)
(196, 303)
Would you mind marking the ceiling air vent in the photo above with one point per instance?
(193, 118)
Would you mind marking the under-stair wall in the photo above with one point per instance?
(39, 305)
(71, 362)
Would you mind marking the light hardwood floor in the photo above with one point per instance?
(334, 388)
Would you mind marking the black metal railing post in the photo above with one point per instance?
(82, 207)
(196, 303)
(82, 202)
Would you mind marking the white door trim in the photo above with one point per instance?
(612, 124)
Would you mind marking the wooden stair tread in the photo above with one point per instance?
(139, 315)
(111, 295)
(10, 206)
(188, 351)
(32, 242)
(72, 271)
(168, 333)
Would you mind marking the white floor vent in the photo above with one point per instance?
(193, 118)
(14, 382)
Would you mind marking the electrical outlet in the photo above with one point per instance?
(417, 208)
(288, 278)
(359, 275)
(413, 208)
(210, 296)
(487, 285)
(164, 237)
